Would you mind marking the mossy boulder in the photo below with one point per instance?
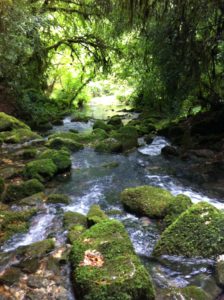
(100, 124)
(33, 200)
(179, 204)
(96, 215)
(197, 232)
(186, 293)
(58, 198)
(7, 123)
(2, 185)
(37, 249)
(149, 201)
(58, 143)
(109, 145)
(19, 191)
(18, 136)
(12, 222)
(28, 153)
(115, 121)
(106, 267)
(74, 218)
(127, 136)
(80, 117)
(100, 134)
(41, 169)
(61, 159)
(74, 232)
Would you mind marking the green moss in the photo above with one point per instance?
(58, 143)
(115, 121)
(100, 124)
(149, 201)
(28, 153)
(58, 198)
(179, 204)
(2, 185)
(37, 249)
(121, 276)
(8, 123)
(41, 169)
(80, 117)
(199, 231)
(12, 222)
(33, 200)
(110, 145)
(74, 218)
(74, 232)
(95, 215)
(19, 136)
(187, 293)
(100, 134)
(61, 158)
(127, 136)
(19, 191)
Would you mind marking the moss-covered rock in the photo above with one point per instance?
(37, 249)
(100, 134)
(61, 159)
(2, 185)
(19, 191)
(58, 198)
(18, 136)
(199, 231)
(106, 267)
(74, 218)
(115, 121)
(12, 222)
(58, 143)
(100, 124)
(74, 232)
(179, 204)
(109, 145)
(41, 169)
(127, 136)
(33, 200)
(7, 123)
(96, 215)
(149, 201)
(28, 153)
(80, 117)
(187, 293)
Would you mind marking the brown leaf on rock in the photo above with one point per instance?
(92, 258)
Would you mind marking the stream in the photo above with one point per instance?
(99, 178)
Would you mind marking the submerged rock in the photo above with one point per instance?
(149, 201)
(106, 267)
(197, 232)
(187, 293)
(41, 169)
(19, 191)
(95, 215)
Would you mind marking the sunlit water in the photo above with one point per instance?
(94, 181)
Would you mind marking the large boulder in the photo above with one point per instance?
(149, 201)
(105, 265)
(41, 169)
(61, 159)
(115, 121)
(58, 198)
(59, 142)
(109, 145)
(197, 232)
(127, 136)
(22, 190)
(20, 135)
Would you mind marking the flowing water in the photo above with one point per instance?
(98, 179)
